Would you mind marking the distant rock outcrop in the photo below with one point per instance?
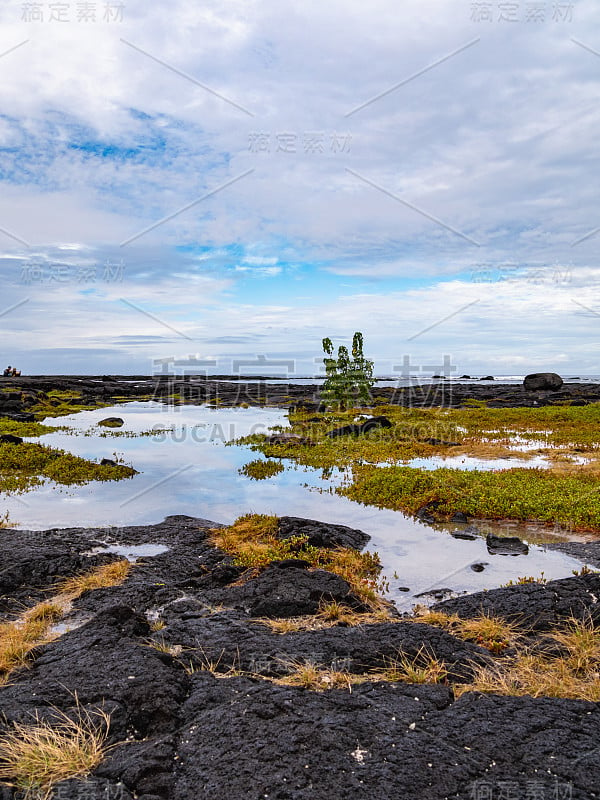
(542, 381)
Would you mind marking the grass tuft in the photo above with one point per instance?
(34, 757)
(534, 676)
(329, 615)
(311, 676)
(423, 668)
(5, 521)
(581, 640)
(493, 633)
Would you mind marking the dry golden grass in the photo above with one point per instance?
(206, 663)
(19, 638)
(535, 676)
(329, 615)
(162, 646)
(360, 570)
(311, 676)
(493, 633)
(5, 521)
(436, 618)
(34, 757)
(574, 675)
(251, 538)
(293, 624)
(49, 611)
(581, 640)
(99, 578)
(423, 668)
(16, 643)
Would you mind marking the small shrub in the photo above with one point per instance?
(349, 380)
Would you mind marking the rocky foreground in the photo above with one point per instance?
(182, 659)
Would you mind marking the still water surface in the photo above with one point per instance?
(188, 469)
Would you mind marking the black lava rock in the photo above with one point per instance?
(505, 545)
(542, 381)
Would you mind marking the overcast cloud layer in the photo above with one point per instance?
(426, 172)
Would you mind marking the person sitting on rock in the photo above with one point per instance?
(8, 371)
(15, 372)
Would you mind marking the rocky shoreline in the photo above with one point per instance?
(195, 707)
(94, 390)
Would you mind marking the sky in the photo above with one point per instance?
(186, 186)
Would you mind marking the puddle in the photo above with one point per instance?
(469, 463)
(69, 624)
(186, 469)
(130, 552)
(474, 463)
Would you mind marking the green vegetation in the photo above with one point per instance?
(259, 470)
(526, 494)
(25, 429)
(568, 493)
(524, 579)
(553, 425)
(27, 465)
(311, 447)
(58, 404)
(349, 381)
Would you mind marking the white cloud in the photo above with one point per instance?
(99, 142)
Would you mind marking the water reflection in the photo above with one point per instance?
(187, 469)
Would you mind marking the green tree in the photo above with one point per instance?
(349, 380)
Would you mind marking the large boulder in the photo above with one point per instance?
(542, 381)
